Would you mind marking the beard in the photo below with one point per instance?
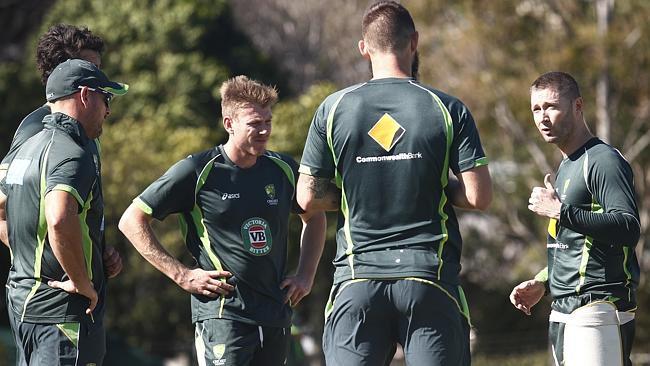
(415, 66)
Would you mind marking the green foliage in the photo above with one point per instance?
(154, 47)
(291, 119)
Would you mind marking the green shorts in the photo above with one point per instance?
(365, 319)
(227, 342)
(567, 305)
(68, 344)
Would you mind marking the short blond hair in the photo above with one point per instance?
(240, 91)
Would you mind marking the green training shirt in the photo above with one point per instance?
(236, 220)
(60, 157)
(390, 143)
(591, 248)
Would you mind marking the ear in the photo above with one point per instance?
(83, 96)
(578, 105)
(363, 49)
(414, 41)
(227, 124)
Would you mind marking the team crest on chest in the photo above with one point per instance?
(256, 234)
(219, 350)
(269, 189)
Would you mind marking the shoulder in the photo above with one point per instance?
(34, 120)
(606, 164)
(451, 102)
(201, 158)
(285, 162)
(280, 156)
(331, 99)
(30, 125)
(604, 156)
(196, 162)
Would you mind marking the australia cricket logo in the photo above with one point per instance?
(270, 194)
(256, 234)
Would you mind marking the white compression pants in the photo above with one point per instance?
(592, 335)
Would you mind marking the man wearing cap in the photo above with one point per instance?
(54, 213)
(59, 43)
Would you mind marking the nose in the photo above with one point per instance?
(108, 112)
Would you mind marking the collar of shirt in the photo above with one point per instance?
(68, 124)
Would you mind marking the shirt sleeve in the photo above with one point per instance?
(72, 171)
(317, 159)
(611, 182)
(466, 150)
(171, 193)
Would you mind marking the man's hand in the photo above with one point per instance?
(112, 261)
(297, 287)
(544, 201)
(85, 289)
(525, 295)
(207, 283)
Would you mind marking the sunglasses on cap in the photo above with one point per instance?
(107, 96)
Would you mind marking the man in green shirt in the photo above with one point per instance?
(593, 230)
(54, 224)
(60, 43)
(234, 202)
(389, 143)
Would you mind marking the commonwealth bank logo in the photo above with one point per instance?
(387, 132)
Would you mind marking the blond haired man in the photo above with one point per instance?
(234, 202)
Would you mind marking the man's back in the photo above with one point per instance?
(390, 144)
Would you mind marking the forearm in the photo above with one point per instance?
(64, 235)
(542, 276)
(456, 193)
(471, 189)
(614, 227)
(4, 235)
(135, 225)
(65, 240)
(312, 242)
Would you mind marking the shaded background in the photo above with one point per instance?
(175, 55)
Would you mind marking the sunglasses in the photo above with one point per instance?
(107, 96)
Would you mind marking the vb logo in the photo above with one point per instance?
(256, 235)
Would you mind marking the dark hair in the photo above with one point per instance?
(62, 42)
(387, 26)
(561, 82)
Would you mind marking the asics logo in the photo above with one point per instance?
(229, 196)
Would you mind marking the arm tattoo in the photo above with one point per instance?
(319, 186)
